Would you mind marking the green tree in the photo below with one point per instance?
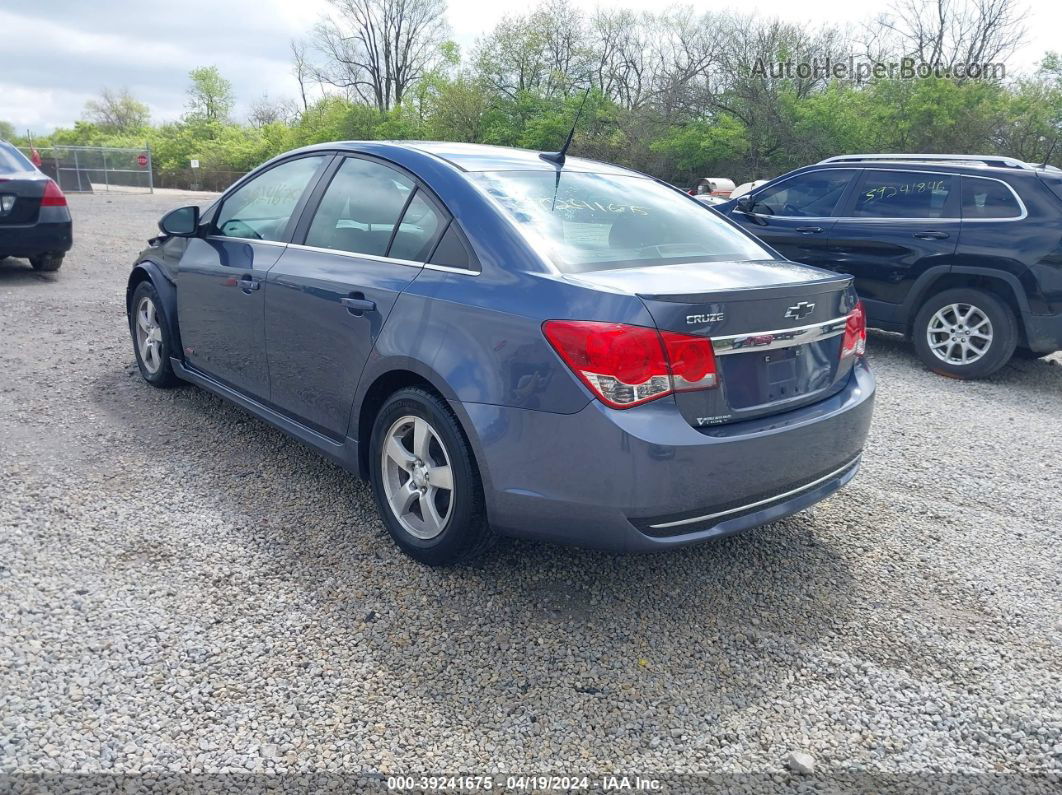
(934, 114)
(7, 131)
(1031, 127)
(457, 110)
(210, 96)
(702, 148)
(117, 112)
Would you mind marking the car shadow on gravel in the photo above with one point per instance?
(531, 637)
(18, 271)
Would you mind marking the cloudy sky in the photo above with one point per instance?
(58, 53)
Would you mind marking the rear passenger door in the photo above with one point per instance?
(893, 227)
(366, 234)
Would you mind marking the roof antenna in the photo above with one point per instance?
(558, 157)
(1050, 152)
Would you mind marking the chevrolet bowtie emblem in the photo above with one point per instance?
(801, 310)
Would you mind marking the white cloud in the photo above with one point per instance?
(36, 109)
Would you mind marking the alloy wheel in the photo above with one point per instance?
(417, 477)
(959, 334)
(149, 335)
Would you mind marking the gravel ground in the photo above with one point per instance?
(183, 588)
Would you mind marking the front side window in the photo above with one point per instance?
(359, 210)
(903, 194)
(810, 195)
(986, 198)
(588, 222)
(261, 209)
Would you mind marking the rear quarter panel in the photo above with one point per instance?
(481, 337)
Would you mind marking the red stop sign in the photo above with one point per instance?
(142, 160)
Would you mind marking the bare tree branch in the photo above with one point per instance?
(375, 50)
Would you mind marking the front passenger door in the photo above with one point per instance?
(221, 274)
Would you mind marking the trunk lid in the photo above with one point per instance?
(776, 327)
(26, 188)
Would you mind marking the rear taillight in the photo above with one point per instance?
(629, 365)
(692, 361)
(855, 332)
(53, 197)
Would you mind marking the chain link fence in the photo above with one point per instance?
(196, 179)
(88, 169)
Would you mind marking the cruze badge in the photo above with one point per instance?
(801, 310)
(711, 317)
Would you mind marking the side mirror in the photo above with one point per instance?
(182, 222)
(745, 204)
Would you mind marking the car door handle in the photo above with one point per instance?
(809, 230)
(357, 304)
(247, 284)
(931, 234)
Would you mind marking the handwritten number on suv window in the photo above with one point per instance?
(889, 191)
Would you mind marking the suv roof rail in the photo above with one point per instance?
(988, 160)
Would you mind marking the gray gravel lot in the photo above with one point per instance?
(184, 588)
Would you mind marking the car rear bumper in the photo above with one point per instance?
(644, 479)
(40, 238)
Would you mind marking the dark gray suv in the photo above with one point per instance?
(962, 253)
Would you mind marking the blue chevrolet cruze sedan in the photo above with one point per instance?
(509, 343)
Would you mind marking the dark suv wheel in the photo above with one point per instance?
(47, 262)
(965, 333)
(425, 481)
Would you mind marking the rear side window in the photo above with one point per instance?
(418, 231)
(987, 198)
(903, 194)
(811, 195)
(452, 252)
(261, 209)
(360, 209)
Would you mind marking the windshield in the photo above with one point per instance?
(12, 160)
(588, 222)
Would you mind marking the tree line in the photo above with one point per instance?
(680, 93)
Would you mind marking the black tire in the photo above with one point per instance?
(465, 532)
(47, 262)
(158, 374)
(996, 353)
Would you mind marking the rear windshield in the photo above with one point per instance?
(589, 222)
(12, 160)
